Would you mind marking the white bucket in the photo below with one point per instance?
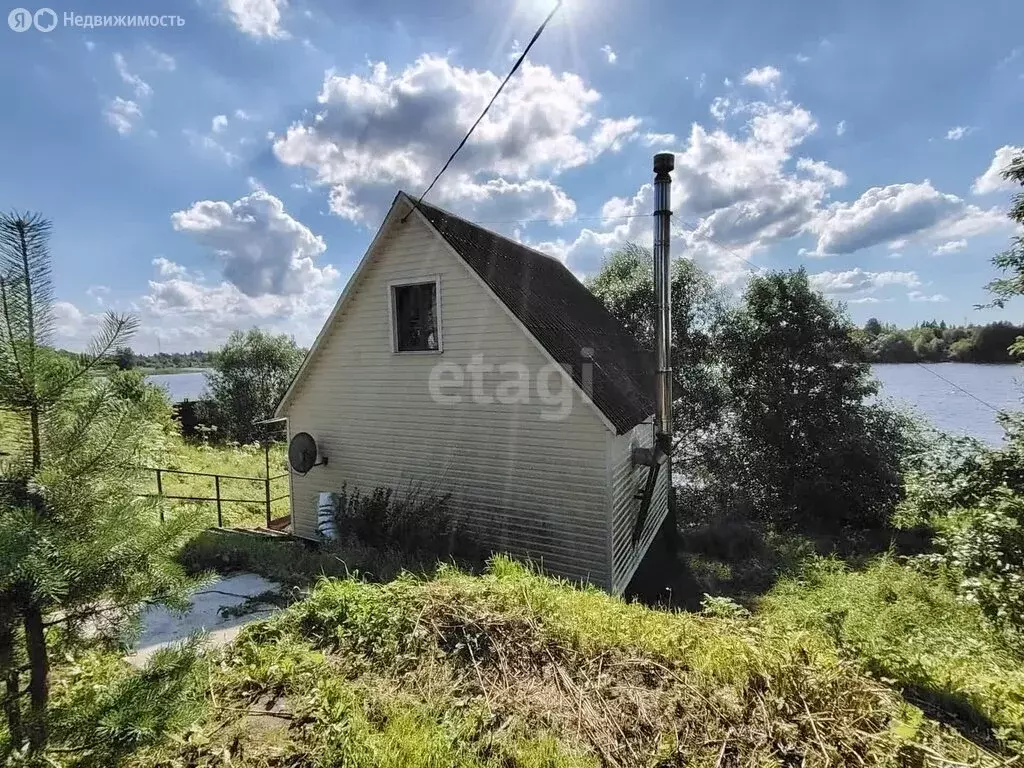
(325, 516)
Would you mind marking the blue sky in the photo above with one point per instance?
(231, 171)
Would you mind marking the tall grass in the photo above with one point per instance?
(515, 669)
(909, 628)
(227, 459)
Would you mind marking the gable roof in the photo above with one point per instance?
(561, 315)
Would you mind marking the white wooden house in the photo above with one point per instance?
(462, 360)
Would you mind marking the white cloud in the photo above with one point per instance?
(741, 190)
(66, 317)
(219, 123)
(819, 169)
(802, 58)
(951, 246)
(992, 179)
(262, 249)
(140, 86)
(860, 281)
(1010, 57)
(500, 200)
(610, 134)
(609, 54)
(167, 268)
(765, 77)
(98, 293)
(374, 132)
(719, 108)
(919, 296)
(840, 128)
(241, 114)
(123, 115)
(163, 60)
(258, 18)
(209, 144)
(958, 132)
(660, 139)
(894, 214)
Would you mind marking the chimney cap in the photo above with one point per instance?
(664, 162)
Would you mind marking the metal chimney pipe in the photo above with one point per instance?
(664, 163)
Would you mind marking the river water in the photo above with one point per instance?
(181, 386)
(955, 397)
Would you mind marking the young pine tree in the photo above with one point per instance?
(79, 550)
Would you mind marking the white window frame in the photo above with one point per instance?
(393, 326)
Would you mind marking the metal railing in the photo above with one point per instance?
(218, 498)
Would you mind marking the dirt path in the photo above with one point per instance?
(161, 627)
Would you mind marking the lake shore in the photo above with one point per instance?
(168, 371)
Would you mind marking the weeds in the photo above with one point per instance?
(292, 562)
(907, 627)
(415, 521)
(514, 669)
(228, 459)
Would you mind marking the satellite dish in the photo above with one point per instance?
(302, 453)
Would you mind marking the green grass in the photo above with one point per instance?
(907, 627)
(194, 456)
(514, 669)
(231, 459)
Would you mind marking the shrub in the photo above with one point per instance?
(971, 497)
(289, 561)
(983, 550)
(415, 521)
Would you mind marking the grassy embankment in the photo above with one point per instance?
(514, 669)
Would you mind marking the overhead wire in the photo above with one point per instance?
(515, 67)
(956, 386)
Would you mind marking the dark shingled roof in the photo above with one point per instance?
(562, 315)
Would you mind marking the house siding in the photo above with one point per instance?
(521, 484)
(625, 481)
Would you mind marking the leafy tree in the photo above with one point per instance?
(124, 358)
(250, 374)
(893, 347)
(961, 351)
(990, 343)
(1011, 261)
(812, 452)
(873, 327)
(625, 285)
(79, 552)
(770, 412)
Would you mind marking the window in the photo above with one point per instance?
(415, 310)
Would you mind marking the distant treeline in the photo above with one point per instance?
(937, 342)
(126, 358)
(195, 359)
